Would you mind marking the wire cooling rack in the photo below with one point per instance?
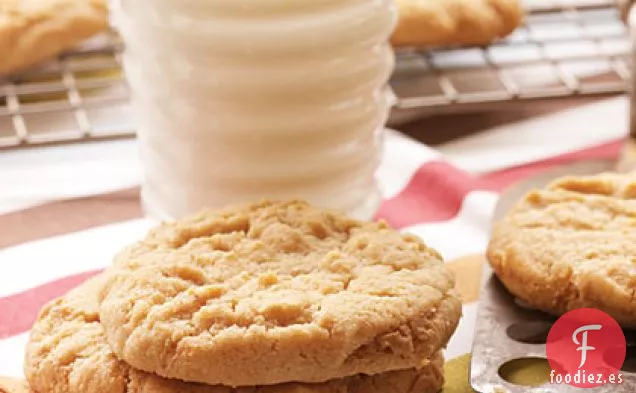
(80, 96)
(566, 48)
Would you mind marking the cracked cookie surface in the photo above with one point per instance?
(455, 22)
(572, 245)
(277, 292)
(35, 30)
(67, 353)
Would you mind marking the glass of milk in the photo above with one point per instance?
(237, 101)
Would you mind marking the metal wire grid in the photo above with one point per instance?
(567, 48)
(80, 96)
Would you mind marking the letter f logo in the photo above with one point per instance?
(583, 343)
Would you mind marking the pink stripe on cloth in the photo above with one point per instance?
(437, 189)
(499, 180)
(19, 311)
(435, 193)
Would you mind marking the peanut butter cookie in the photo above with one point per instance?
(35, 30)
(68, 353)
(455, 22)
(277, 292)
(572, 245)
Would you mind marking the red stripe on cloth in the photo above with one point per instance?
(19, 311)
(435, 193)
(497, 181)
(437, 190)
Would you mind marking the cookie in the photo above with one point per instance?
(277, 292)
(36, 30)
(68, 353)
(424, 23)
(572, 245)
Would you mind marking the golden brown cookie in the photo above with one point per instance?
(35, 30)
(278, 292)
(455, 22)
(68, 353)
(572, 245)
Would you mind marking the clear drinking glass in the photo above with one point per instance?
(240, 101)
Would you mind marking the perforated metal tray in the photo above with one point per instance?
(507, 332)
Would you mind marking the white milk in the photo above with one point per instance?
(242, 100)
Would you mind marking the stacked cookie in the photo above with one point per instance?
(270, 297)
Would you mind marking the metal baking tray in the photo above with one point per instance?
(507, 332)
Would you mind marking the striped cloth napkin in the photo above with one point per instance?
(65, 211)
